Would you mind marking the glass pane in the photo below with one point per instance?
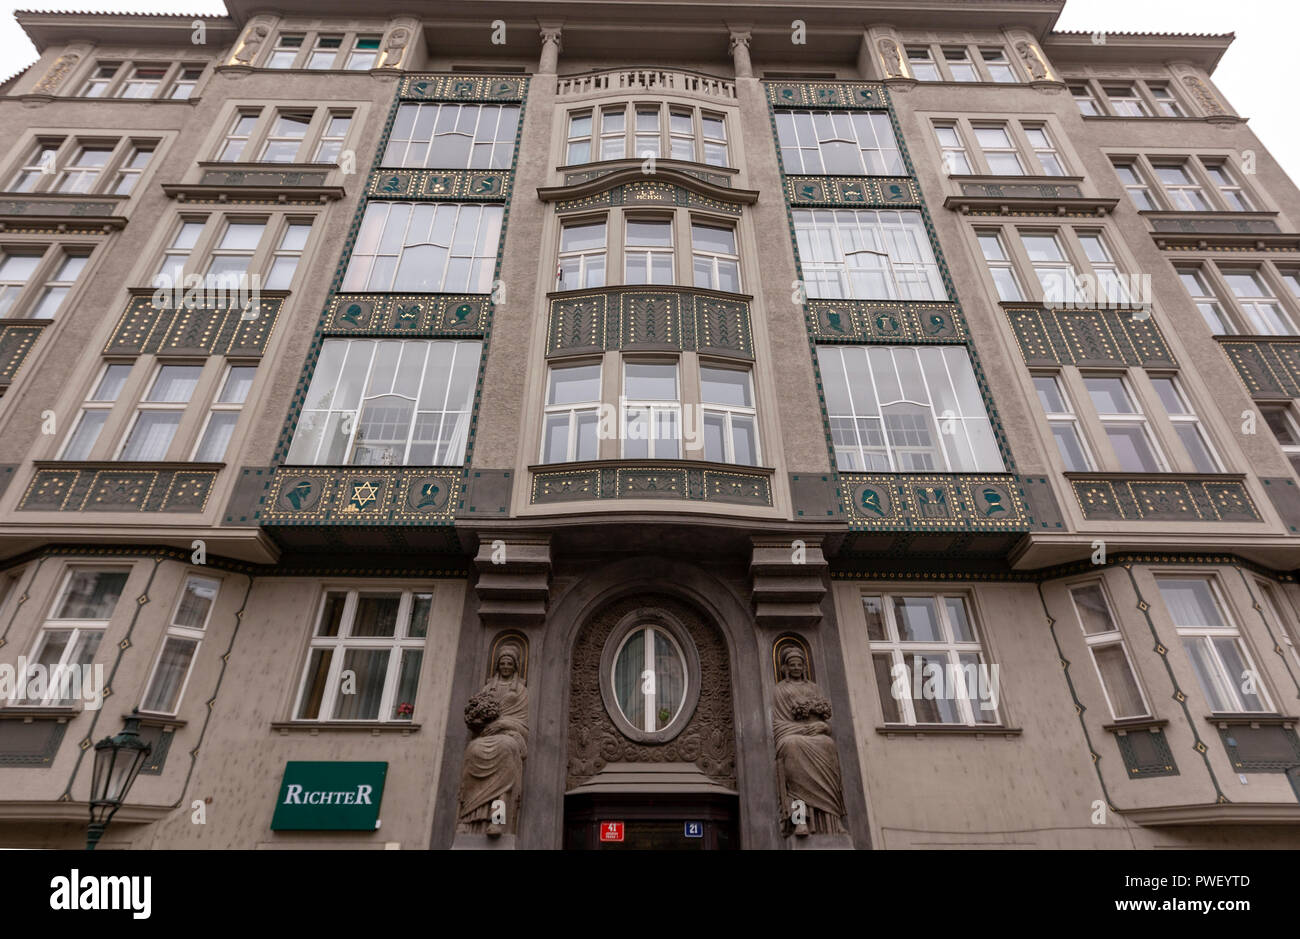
(216, 437)
(331, 614)
(174, 383)
(168, 678)
(408, 680)
(882, 663)
(1094, 612)
(91, 595)
(955, 607)
(196, 601)
(669, 680)
(628, 669)
(1119, 681)
(724, 386)
(376, 615)
(151, 436)
(1070, 446)
(649, 234)
(715, 431)
(917, 619)
(930, 698)
(421, 608)
(1247, 681)
(361, 684)
(1198, 651)
(1190, 601)
(1108, 395)
(83, 438)
(578, 384)
(1132, 449)
(649, 382)
(1049, 395)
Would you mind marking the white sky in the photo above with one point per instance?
(1264, 46)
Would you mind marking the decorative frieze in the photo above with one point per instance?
(1269, 368)
(60, 208)
(587, 175)
(263, 177)
(435, 185)
(488, 88)
(939, 502)
(628, 479)
(387, 314)
(359, 495)
(1057, 336)
(648, 192)
(1167, 498)
(119, 487)
(1213, 224)
(858, 95)
(900, 321)
(212, 330)
(1018, 190)
(649, 318)
(853, 192)
(16, 340)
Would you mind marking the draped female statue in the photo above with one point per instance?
(497, 716)
(808, 766)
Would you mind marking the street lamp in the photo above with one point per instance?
(118, 760)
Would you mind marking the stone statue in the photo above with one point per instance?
(807, 764)
(494, 758)
(892, 57)
(1033, 62)
(253, 40)
(394, 48)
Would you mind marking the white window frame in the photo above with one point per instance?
(1137, 418)
(486, 135)
(143, 404)
(715, 259)
(1068, 417)
(802, 137)
(217, 406)
(574, 410)
(729, 414)
(652, 409)
(482, 213)
(583, 257)
(181, 633)
(1105, 640)
(1188, 418)
(882, 228)
(95, 405)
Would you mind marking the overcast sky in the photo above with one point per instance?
(1250, 73)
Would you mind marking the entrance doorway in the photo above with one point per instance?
(650, 822)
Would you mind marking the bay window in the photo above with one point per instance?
(71, 633)
(652, 411)
(642, 130)
(185, 632)
(866, 254)
(847, 143)
(453, 136)
(425, 247)
(729, 419)
(648, 252)
(582, 255)
(714, 257)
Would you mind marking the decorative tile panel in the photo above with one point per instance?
(434, 185)
(1269, 368)
(650, 318)
(1022, 190)
(649, 192)
(859, 95)
(627, 479)
(487, 88)
(1115, 497)
(118, 487)
(359, 495)
(1263, 749)
(221, 330)
(1214, 226)
(261, 177)
(1146, 753)
(1121, 338)
(939, 502)
(853, 192)
(59, 207)
(422, 314)
(902, 321)
(16, 340)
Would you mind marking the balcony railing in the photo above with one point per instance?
(645, 79)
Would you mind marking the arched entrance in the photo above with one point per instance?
(651, 753)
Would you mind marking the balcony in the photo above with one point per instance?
(641, 80)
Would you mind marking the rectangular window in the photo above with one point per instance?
(97, 85)
(681, 133)
(1112, 287)
(652, 411)
(1273, 604)
(365, 51)
(999, 152)
(582, 256)
(1209, 305)
(1109, 652)
(922, 64)
(1124, 423)
(613, 133)
(325, 53)
(729, 419)
(16, 269)
(132, 168)
(1233, 193)
(952, 150)
(1135, 184)
(285, 139)
(1048, 157)
(1063, 423)
(714, 127)
(177, 255)
(224, 414)
(648, 252)
(1088, 105)
(241, 128)
(285, 258)
(646, 140)
(1185, 194)
(233, 254)
(332, 137)
(1285, 429)
(1222, 664)
(425, 248)
(1186, 425)
(572, 414)
(285, 52)
(847, 143)
(35, 280)
(180, 647)
(143, 81)
(388, 403)
(72, 632)
(578, 149)
(94, 413)
(457, 136)
(186, 81)
(1125, 101)
(159, 413)
(1261, 309)
(82, 173)
(1000, 266)
(959, 64)
(1055, 273)
(377, 636)
(57, 286)
(906, 409)
(714, 257)
(867, 255)
(928, 660)
(1000, 70)
(39, 165)
(1166, 104)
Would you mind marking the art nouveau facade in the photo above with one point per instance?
(552, 426)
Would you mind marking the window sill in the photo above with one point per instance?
(1208, 119)
(1252, 720)
(27, 714)
(949, 730)
(1159, 476)
(127, 465)
(1132, 725)
(375, 728)
(147, 719)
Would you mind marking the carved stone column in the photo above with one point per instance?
(740, 53)
(552, 46)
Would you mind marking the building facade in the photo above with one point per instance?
(646, 425)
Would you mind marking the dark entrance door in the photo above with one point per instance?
(651, 821)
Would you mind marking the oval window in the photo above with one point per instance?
(649, 678)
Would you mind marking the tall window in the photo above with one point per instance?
(582, 256)
(1186, 425)
(956, 162)
(649, 679)
(57, 285)
(285, 258)
(929, 664)
(1285, 429)
(652, 411)
(613, 133)
(959, 64)
(578, 148)
(129, 173)
(1041, 143)
(425, 248)
(729, 419)
(867, 255)
(159, 413)
(94, 413)
(1109, 652)
(860, 143)
(906, 409)
(388, 403)
(176, 255)
(332, 137)
(922, 64)
(572, 413)
(72, 632)
(1124, 423)
(1051, 265)
(1112, 289)
(324, 52)
(1223, 666)
(377, 638)
(236, 141)
(1084, 99)
(143, 81)
(36, 279)
(224, 413)
(453, 136)
(648, 252)
(188, 626)
(1063, 423)
(285, 51)
(82, 173)
(1206, 301)
(1135, 184)
(1000, 266)
(1000, 70)
(233, 253)
(1256, 301)
(1233, 193)
(999, 150)
(647, 137)
(1185, 194)
(285, 139)
(680, 132)
(714, 127)
(1166, 104)
(714, 257)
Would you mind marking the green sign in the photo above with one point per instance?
(329, 797)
